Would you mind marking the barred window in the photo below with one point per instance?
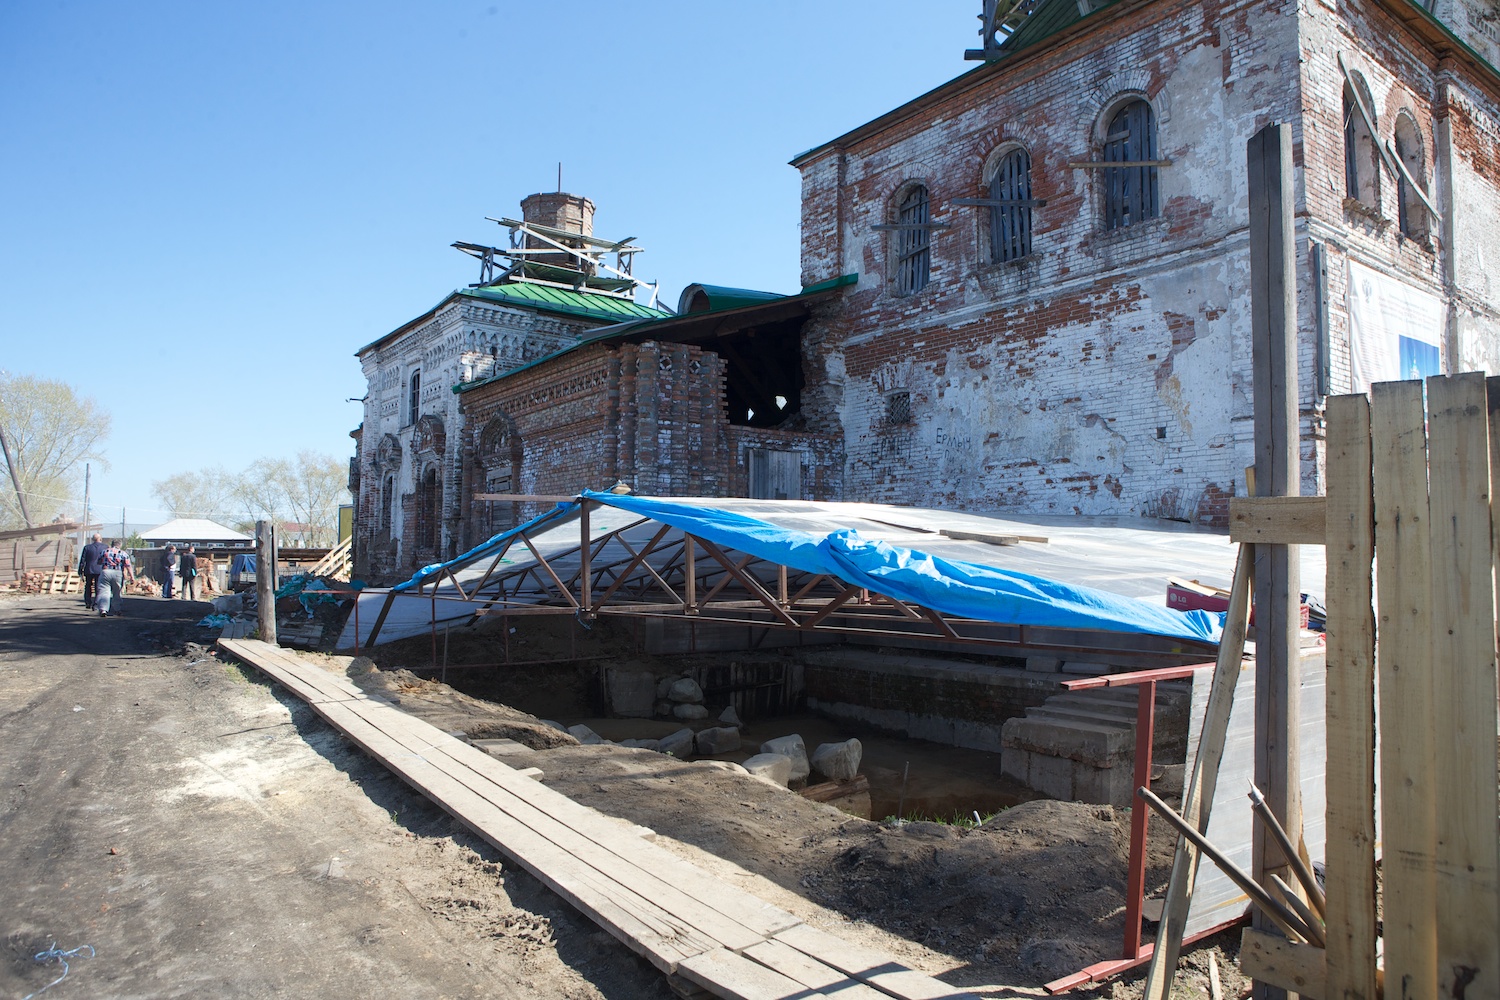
(913, 261)
(1010, 225)
(1130, 192)
(898, 409)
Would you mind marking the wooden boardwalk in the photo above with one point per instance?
(684, 921)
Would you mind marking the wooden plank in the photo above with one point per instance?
(738, 978)
(1398, 436)
(309, 682)
(1463, 603)
(989, 538)
(1350, 705)
(869, 966)
(809, 972)
(1297, 968)
(635, 921)
(1277, 520)
(607, 833)
(1198, 794)
(488, 777)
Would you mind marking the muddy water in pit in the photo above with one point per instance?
(942, 782)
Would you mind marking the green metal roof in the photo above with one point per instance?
(563, 300)
(721, 297)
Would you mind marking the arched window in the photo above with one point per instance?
(1010, 224)
(1130, 190)
(913, 262)
(1361, 165)
(1412, 213)
(387, 504)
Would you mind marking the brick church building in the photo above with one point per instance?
(1053, 312)
(1026, 290)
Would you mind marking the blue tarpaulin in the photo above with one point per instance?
(953, 587)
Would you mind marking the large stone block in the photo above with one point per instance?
(632, 693)
(721, 739)
(838, 761)
(773, 766)
(794, 749)
(678, 744)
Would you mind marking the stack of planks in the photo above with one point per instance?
(1409, 498)
(687, 923)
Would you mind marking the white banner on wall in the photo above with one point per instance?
(1395, 330)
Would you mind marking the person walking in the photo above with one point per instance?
(190, 574)
(90, 562)
(168, 571)
(114, 573)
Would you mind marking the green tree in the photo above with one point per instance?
(50, 431)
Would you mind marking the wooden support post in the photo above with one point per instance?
(1198, 795)
(1464, 688)
(265, 587)
(585, 570)
(1350, 774)
(1398, 438)
(1145, 726)
(1273, 315)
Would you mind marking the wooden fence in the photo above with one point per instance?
(1412, 608)
(48, 548)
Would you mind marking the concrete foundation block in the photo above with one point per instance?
(1043, 664)
(1052, 776)
(1091, 667)
(1090, 744)
(1014, 764)
(1112, 786)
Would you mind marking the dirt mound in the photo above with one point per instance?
(453, 711)
(1034, 894)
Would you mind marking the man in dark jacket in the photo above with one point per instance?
(168, 571)
(190, 574)
(90, 563)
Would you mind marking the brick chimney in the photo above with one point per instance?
(559, 210)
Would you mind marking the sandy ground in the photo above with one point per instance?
(209, 836)
(258, 854)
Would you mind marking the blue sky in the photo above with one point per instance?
(209, 207)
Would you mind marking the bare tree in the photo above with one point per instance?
(306, 491)
(49, 432)
(207, 494)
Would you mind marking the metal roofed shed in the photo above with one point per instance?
(195, 529)
(857, 569)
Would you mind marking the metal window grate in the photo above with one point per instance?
(912, 241)
(898, 408)
(1130, 193)
(1010, 225)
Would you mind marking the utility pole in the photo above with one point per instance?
(265, 585)
(14, 479)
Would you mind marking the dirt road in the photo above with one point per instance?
(208, 836)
